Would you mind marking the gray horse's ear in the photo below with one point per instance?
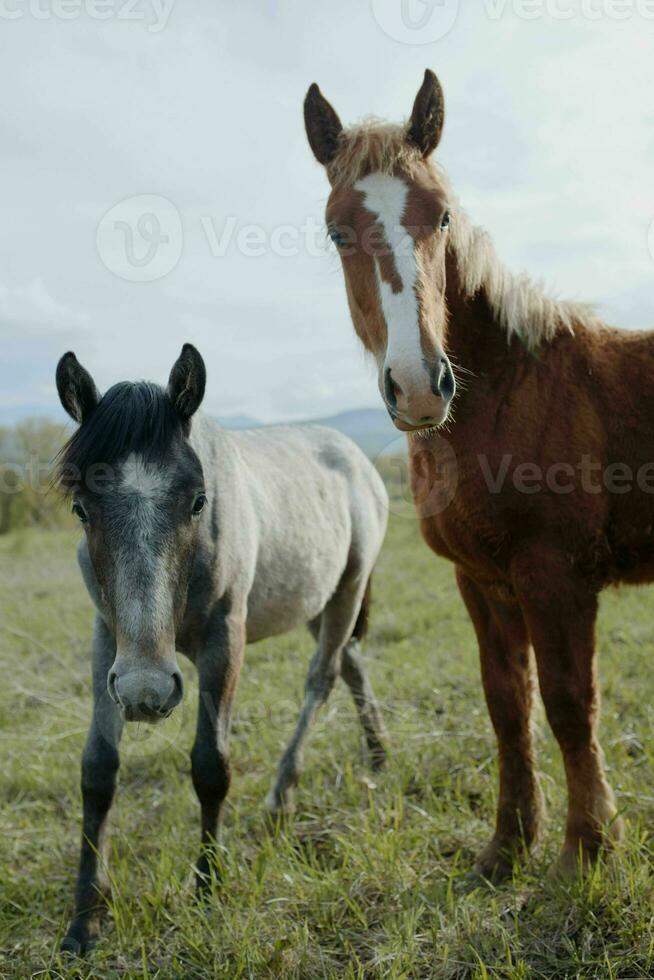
(322, 125)
(187, 382)
(76, 388)
(426, 124)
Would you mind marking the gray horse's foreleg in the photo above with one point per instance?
(99, 773)
(336, 627)
(218, 666)
(354, 674)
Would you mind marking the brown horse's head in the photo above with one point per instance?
(388, 214)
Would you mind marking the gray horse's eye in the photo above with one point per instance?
(445, 223)
(79, 512)
(198, 504)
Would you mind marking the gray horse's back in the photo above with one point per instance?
(321, 508)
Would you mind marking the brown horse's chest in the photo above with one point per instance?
(460, 520)
(480, 517)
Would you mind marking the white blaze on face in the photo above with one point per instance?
(143, 478)
(386, 198)
(143, 598)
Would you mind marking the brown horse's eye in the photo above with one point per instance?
(338, 237)
(445, 223)
(79, 512)
(198, 504)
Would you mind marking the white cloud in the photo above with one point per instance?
(33, 303)
(547, 142)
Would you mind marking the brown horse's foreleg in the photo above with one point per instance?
(218, 665)
(560, 612)
(99, 774)
(507, 675)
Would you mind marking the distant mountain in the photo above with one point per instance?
(239, 422)
(370, 428)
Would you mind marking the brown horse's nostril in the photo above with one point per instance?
(393, 390)
(445, 384)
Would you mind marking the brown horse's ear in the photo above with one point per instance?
(187, 382)
(426, 124)
(76, 388)
(322, 125)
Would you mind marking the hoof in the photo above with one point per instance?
(278, 807)
(495, 863)
(209, 874)
(580, 854)
(575, 859)
(378, 757)
(474, 880)
(73, 945)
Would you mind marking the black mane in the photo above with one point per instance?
(132, 417)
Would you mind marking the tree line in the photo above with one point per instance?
(27, 454)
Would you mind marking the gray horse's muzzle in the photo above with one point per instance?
(145, 693)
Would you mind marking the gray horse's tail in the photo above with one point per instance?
(361, 625)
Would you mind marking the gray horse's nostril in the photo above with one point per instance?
(177, 693)
(111, 686)
(146, 693)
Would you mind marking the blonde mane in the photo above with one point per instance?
(520, 305)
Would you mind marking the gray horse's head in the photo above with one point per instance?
(137, 487)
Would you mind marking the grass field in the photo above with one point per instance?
(369, 880)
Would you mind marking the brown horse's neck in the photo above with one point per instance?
(476, 341)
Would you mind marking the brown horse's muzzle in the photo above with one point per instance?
(419, 401)
(145, 693)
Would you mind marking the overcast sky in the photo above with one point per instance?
(194, 110)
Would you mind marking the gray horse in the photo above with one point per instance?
(202, 540)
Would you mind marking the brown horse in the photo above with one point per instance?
(551, 442)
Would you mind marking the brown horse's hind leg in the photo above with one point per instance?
(507, 674)
(560, 611)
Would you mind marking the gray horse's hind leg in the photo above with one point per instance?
(354, 674)
(335, 636)
(99, 773)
